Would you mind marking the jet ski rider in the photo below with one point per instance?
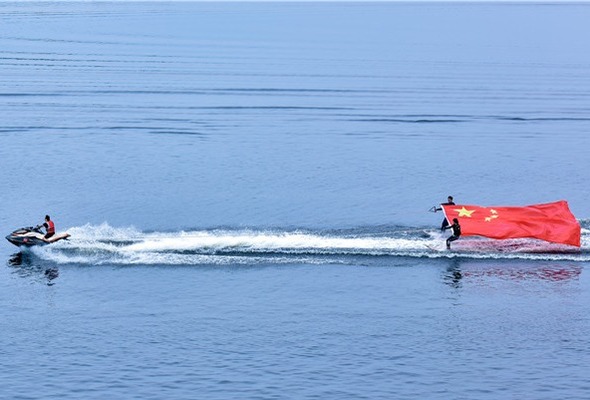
(49, 227)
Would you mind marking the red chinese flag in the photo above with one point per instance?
(552, 222)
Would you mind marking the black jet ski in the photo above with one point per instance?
(32, 236)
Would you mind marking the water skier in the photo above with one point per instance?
(456, 232)
(449, 202)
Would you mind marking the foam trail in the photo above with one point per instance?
(104, 244)
(266, 242)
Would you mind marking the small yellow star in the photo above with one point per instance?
(493, 215)
(463, 212)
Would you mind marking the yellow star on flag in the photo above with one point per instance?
(463, 212)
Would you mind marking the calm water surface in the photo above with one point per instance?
(247, 188)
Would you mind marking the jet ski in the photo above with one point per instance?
(32, 236)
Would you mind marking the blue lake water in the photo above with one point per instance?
(247, 187)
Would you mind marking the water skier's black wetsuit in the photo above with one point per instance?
(445, 223)
(456, 233)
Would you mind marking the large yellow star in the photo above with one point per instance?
(463, 212)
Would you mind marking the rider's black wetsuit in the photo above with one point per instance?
(50, 228)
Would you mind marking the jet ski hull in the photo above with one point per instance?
(25, 241)
(28, 237)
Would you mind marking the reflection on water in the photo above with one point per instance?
(459, 271)
(25, 267)
(549, 272)
(452, 275)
